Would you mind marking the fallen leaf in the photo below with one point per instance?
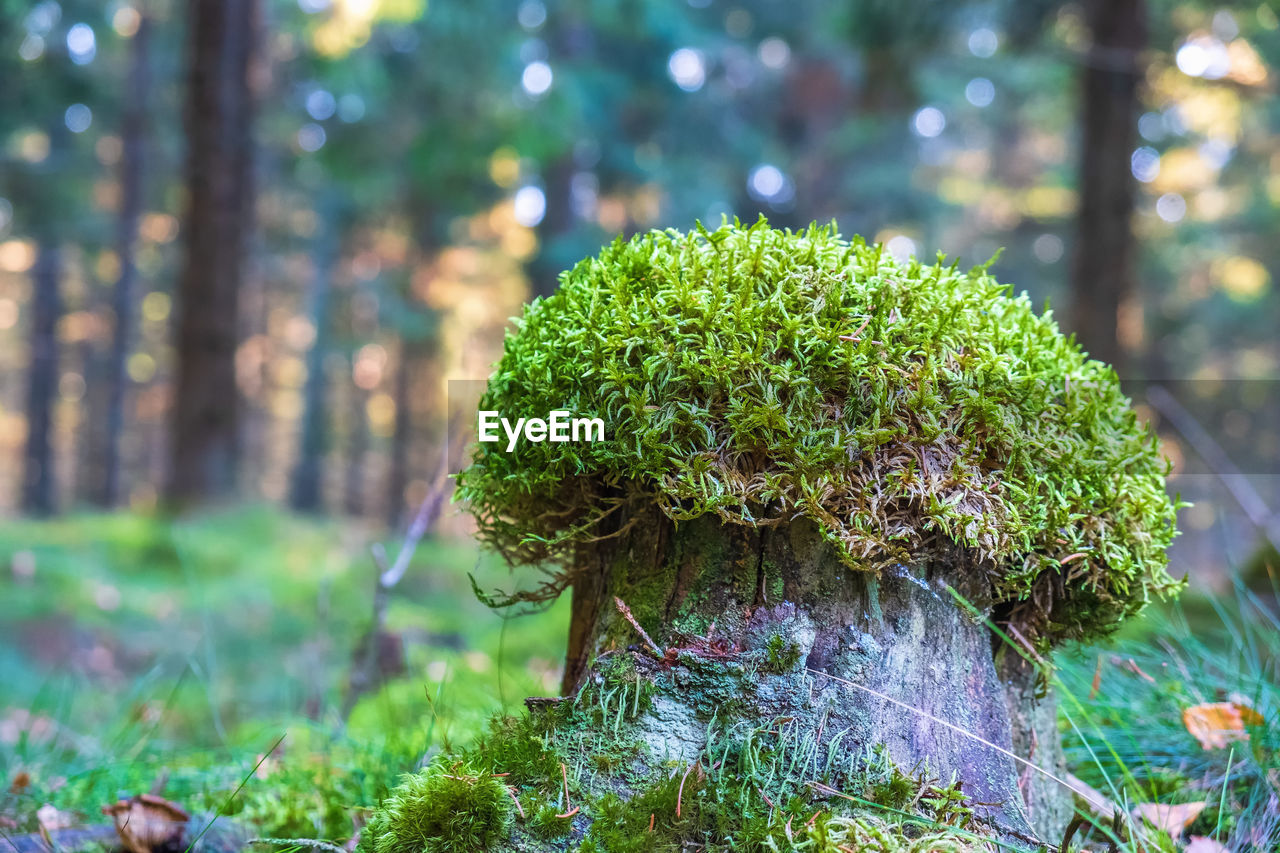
(1169, 818)
(148, 824)
(1200, 844)
(1247, 713)
(50, 818)
(21, 780)
(1216, 724)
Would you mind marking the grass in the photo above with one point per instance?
(134, 649)
(1123, 704)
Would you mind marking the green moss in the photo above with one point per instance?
(748, 372)
(518, 748)
(781, 654)
(446, 808)
(692, 810)
(547, 822)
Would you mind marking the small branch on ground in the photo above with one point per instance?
(364, 677)
(1260, 514)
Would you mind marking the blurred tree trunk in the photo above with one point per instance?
(307, 494)
(556, 224)
(219, 204)
(1102, 268)
(412, 352)
(39, 486)
(133, 131)
(357, 450)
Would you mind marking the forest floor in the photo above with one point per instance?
(208, 659)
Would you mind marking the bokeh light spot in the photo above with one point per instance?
(77, 118)
(81, 44)
(983, 42)
(687, 68)
(537, 78)
(928, 122)
(530, 206)
(980, 92)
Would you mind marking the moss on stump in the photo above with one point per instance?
(826, 474)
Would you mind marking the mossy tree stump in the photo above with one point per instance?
(826, 476)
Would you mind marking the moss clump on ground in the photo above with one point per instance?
(446, 808)
(758, 374)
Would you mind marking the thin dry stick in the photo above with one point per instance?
(365, 675)
(1263, 518)
(564, 775)
(626, 614)
(680, 793)
(857, 331)
(958, 730)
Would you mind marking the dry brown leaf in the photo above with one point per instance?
(1169, 818)
(148, 824)
(1216, 724)
(1200, 844)
(21, 781)
(51, 818)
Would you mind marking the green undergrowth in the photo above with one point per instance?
(758, 374)
(137, 649)
(1122, 708)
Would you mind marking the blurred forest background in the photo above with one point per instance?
(244, 245)
(255, 253)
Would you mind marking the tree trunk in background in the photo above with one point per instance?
(39, 485)
(357, 450)
(219, 204)
(133, 153)
(307, 493)
(1102, 268)
(557, 222)
(402, 437)
(796, 632)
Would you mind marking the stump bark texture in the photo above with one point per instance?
(853, 660)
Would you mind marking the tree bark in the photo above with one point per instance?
(219, 202)
(39, 485)
(133, 132)
(1102, 268)
(307, 494)
(857, 660)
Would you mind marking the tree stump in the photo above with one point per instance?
(858, 661)
(828, 478)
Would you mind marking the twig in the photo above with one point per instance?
(857, 331)
(1261, 515)
(365, 675)
(564, 775)
(626, 614)
(1026, 644)
(680, 792)
(312, 843)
